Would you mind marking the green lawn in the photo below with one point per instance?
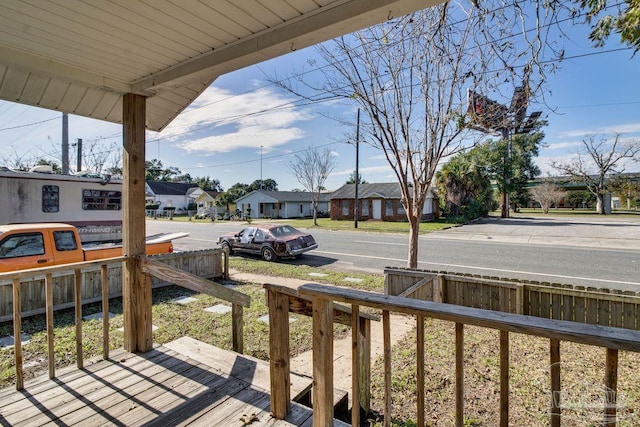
(328, 224)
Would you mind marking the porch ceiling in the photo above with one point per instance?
(81, 56)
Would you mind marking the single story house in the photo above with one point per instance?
(377, 201)
(205, 200)
(170, 194)
(280, 204)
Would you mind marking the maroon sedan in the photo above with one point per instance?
(269, 241)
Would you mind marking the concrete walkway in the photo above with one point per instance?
(303, 363)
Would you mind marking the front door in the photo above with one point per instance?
(377, 208)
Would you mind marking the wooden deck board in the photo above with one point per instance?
(183, 383)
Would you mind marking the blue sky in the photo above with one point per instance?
(223, 134)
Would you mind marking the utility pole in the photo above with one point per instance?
(65, 144)
(79, 163)
(261, 167)
(355, 205)
(507, 174)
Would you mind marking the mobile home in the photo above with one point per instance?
(93, 205)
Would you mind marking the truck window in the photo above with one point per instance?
(19, 245)
(65, 241)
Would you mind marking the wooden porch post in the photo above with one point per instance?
(136, 287)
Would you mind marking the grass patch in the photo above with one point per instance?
(328, 224)
(582, 376)
(370, 282)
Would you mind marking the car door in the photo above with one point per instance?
(246, 238)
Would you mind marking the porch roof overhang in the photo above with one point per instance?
(81, 57)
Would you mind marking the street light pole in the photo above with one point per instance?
(261, 167)
(355, 206)
(507, 174)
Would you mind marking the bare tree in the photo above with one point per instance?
(312, 168)
(547, 194)
(600, 159)
(410, 76)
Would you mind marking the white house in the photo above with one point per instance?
(170, 194)
(280, 204)
(206, 202)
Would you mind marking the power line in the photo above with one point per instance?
(30, 124)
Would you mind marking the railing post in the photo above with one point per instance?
(504, 379)
(420, 367)
(364, 353)
(48, 289)
(611, 388)
(17, 332)
(459, 375)
(323, 362)
(104, 278)
(78, 313)
(554, 359)
(225, 266)
(279, 353)
(356, 373)
(386, 346)
(237, 325)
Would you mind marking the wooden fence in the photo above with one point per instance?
(596, 306)
(208, 264)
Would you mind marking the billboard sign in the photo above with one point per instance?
(485, 114)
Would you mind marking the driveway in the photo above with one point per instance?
(583, 231)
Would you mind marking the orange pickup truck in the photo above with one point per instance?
(24, 246)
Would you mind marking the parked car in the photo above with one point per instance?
(270, 241)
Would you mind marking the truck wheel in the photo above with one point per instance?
(268, 254)
(226, 247)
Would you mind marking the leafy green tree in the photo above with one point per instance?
(207, 183)
(520, 168)
(580, 198)
(155, 171)
(464, 185)
(625, 21)
(627, 188)
(267, 185)
(352, 179)
(230, 196)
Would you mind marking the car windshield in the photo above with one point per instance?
(284, 230)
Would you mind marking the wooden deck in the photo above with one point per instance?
(184, 382)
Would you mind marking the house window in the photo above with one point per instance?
(50, 198)
(301, 208)
(364, 208)
(388, 207)
(261, 208)
(101, 200)
(345, 207)
(401, 210)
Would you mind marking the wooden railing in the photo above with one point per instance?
(596, 306)
(323, 298)
(190, 281)
(48, 272)
(282, 300)
(149, 266)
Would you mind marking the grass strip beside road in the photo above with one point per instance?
(329, 224)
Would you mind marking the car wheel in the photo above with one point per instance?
(268, 254)
(226, 247)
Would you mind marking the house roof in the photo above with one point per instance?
(384, 190)
(288, 196)
(82, 57)
(170, 188)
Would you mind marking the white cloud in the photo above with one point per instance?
(365, 170)
(563, 145)
(622, 128)
(258, 118)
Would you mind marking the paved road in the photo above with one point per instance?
(584, 252)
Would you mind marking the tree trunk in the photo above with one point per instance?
(414, 233)
(600, 197)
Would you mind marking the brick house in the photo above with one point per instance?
(377, 201)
